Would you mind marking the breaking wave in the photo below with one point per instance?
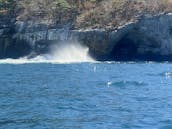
(64, 53)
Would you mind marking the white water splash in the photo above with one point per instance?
(65, 53)
(71, 52)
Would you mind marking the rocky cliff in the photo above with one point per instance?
(115, 34)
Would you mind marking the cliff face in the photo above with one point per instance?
(127, 32)
(148, 38)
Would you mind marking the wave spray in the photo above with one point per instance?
(67, 52)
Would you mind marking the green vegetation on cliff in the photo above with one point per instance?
(6, 6)
(82, 13)
(110, 13)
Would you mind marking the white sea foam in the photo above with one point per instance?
(71, 52)
(64, 53)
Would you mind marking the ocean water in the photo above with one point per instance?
(97, 95)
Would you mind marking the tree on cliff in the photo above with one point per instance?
(61, 10)
(7, 6)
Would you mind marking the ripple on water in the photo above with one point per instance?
(126, 83)
(86, 95)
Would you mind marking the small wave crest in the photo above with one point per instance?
(65, 53)
(126, 83)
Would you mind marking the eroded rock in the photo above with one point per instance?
(149, 38)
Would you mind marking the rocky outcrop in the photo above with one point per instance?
(148, 38)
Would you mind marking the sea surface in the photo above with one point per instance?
(99, 95)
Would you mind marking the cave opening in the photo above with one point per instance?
(138, 47)
(125, 49)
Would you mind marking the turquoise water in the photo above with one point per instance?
(86, 96)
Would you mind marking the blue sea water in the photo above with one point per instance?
(86, 96)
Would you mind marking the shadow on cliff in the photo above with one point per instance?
(13, 48)
(137, 47)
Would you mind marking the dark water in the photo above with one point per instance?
(87, 95)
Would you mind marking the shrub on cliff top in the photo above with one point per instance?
(56, 11)
(119, 12)
(7, 6)
(83, 13)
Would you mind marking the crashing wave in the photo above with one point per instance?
(66, 53)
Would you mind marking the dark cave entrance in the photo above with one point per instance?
(138, 47)
(125, 50)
